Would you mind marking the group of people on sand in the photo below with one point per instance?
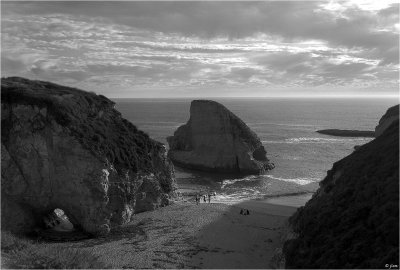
(245, 212)
(200, 197)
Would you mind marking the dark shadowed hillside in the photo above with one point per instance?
(82, 112)
(353, 219)
(69, 149)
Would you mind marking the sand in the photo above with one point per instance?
(186, 235)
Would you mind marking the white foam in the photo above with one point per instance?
(232, 181)
(271, 142)
(316, 140)
(322, 140)
(281, 124)
(237, 197)
(299, 181)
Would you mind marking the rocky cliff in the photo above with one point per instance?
(353, 219)
(69, 149)
(214, 139)
(391, 115)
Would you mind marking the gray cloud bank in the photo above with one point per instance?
(199, 44)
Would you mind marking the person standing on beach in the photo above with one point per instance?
(209, 197)
(204, 198)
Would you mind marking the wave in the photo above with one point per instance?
(288, 194)
(158, 122)
(247, 180)
(299, 181)
(281, 124)
(308, 139)
(244, 179)
(316, 140)
(240, 196)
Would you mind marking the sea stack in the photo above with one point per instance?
(216, 140)
(69, 149)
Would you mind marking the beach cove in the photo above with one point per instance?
(186, 235)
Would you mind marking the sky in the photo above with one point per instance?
(206, 49)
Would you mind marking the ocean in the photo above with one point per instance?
(287, 129)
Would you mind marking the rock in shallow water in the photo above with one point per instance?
(69, 149)
(214, 139)
(347, 133)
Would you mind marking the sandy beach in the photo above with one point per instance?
(186, 235)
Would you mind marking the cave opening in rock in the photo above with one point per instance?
(57, 220)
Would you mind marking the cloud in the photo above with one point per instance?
(345, 70)
(208, 43)
(282, 60)
(318, 69)
(180, 47)
(51, 71)
(11, 66)
(290, 19)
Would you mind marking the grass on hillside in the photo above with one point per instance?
(20, 253)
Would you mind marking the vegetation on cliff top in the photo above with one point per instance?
(91, 119)
(352, 221)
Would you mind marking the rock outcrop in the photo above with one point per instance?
(391, 115)
(352, 221)
(214, 139)
(347, 132)
(69, 149)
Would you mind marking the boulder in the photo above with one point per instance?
(69, 149)
(216, 140)
(391, 115)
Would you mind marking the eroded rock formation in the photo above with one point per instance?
(391, 115)
(69, 149)
(214, 139)
(352, 221)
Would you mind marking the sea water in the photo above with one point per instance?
(287, 129)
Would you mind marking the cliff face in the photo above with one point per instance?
(70, 149)
(214, 139)
(391, 115)
(353, 219)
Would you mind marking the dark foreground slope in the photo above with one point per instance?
(66, 148)
(353, 219)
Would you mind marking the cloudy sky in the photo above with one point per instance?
(206, 49)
